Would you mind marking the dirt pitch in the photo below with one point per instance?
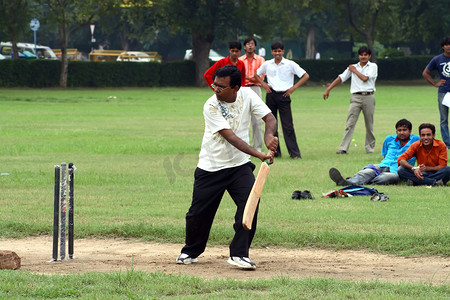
(113, 255)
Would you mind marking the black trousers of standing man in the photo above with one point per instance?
(276, 102)
(209, 188)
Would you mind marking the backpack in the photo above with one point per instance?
(352, 190)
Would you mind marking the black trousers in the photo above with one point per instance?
(209, 188)
(276, 102)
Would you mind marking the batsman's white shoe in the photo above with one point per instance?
(186, 259)
(241, 262)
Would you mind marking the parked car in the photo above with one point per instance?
(139, 56)
(213, 55)
(42, 52)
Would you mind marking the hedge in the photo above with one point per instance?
(45, 73)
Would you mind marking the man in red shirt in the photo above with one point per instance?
(431, 157)
(234, 48)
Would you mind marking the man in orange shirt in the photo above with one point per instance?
(431, 157)
(252, 62)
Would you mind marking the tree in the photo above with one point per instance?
(134, 24)
(426, 21)
(203, 20)
(362, 16)
(14, 19)
(71, 15)
(302, 19)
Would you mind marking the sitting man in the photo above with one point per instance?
(431, 157)
(386, 171)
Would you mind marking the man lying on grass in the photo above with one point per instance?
(386, 171)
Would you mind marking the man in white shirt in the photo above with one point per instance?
(280, 85)
(262, 51)
(224, 165)
(362, 87)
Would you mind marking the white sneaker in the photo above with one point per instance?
(186, 259)
(241, 262)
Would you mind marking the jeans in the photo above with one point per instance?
(369, 176)
(430, 178)
(443, 112)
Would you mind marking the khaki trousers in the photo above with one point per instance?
(257, 132)
(366, 103)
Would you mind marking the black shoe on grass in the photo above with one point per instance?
(336, 176)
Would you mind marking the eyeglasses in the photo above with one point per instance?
(219, 88)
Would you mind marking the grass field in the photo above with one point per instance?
(136, 149)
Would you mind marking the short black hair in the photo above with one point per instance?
(364, 49)
(427, 125)
(249, 39)
(445, 41)
(277, 45)
(235, 45)
(233, 72)
(404, 122)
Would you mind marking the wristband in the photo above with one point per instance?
(415, 168)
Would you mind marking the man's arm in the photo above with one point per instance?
(269, 136)
(240, 144)
(302, 80)
(427, 75)
(332, 85)
(361, 76)
(416, 170)
(257, 78)
(243, 73)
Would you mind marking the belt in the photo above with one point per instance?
(276, 92)
(249, 85)
(363, 93)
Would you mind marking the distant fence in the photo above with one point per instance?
(45, 73)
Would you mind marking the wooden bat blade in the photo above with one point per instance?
(253, 198)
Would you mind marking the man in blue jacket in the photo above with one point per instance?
(386, 171)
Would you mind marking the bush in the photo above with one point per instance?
(45, 73)
(391, 52)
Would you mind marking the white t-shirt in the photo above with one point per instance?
(280, 77)
(357, 85)
(262, 52)
(216, 152)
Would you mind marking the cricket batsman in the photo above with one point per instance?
(224, 165)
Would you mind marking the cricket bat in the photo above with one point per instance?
(253, 198)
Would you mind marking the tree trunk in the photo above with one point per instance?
(201, 42)
(366, 31)
(14, 49)
(63, 37)
(369, 40)
(310, 43)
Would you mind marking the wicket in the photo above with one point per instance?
(59, 211)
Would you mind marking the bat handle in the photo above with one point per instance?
(267, 161)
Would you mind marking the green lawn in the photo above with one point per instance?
(136, 149)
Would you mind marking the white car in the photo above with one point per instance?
(137, 56)
(42, 52)
(213, 55)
